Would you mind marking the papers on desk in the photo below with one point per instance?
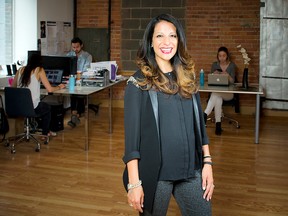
(111, 66)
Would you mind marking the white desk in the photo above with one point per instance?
(255, 89)
(86, 92)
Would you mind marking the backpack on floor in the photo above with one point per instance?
(4, 125)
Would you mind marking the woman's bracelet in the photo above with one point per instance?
(132, 186)
(207, 156)
(208, 162)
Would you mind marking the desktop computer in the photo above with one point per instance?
(57, 117)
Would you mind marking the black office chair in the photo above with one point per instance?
(18, 103)
(234, 103)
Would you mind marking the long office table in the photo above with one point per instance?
(87, 92)
(254, 89)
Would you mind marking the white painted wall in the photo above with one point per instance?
(25, 28)
(54, 10)
(28, 14)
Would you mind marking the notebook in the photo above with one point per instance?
(218, 79)
(54, 76)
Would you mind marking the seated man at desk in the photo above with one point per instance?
(30, 76)
(84, 60)
(223, 65)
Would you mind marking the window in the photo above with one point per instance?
(6, 31)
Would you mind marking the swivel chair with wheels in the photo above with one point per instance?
(234, 102)
(18, 103)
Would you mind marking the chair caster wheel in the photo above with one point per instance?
(38, 147)
(13, 151)
(238, 126)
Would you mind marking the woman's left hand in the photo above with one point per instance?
(135, 198)
(207, 182)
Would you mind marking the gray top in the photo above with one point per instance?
(231, 69)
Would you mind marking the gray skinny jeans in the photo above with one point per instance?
(188, 195)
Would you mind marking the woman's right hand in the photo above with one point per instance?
(135, 198)
(62, 86)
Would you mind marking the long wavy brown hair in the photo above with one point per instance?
(34, 61)
(182, 63)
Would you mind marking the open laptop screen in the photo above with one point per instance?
(54, 76)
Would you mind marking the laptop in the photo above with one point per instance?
(54, 76)
(218, 79)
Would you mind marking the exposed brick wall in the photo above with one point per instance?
(135, 16)
(208, 23)
(211, 24)
(92, 13)
(116, 32)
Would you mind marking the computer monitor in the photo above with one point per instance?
(66, 63)
(33, 52)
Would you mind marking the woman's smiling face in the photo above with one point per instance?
(164, 41)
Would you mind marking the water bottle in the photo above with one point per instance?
(71, 83)
(202, 78)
